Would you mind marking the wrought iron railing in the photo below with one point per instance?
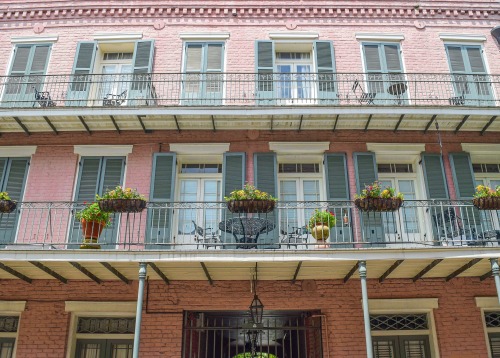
(209, 225)
(249, 89)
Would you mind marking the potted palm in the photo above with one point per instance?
(250, 200)
(7, 205)
(93, 221)
(121, 200)
(374, 198)
(486, 198)
(320, 223)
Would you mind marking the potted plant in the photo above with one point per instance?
(374, 198)
(250, 200)
(121, 200)
(7, 205)
(93, 221)
(486, 198)
(320, 224)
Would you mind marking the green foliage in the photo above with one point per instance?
(121, 193)
(322, 217)
(92, 212)
(483, 191)
(257, 355)
(4, 195)
(249, 192)
(375, 191)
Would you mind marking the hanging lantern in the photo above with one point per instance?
(256, 310)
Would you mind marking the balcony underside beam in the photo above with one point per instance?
(335, 123)
(430, 123)
(141, 122)
(23, 127)
(159, 273)
(85, 272)
(351, 272)
(485, 276)
(213, 123)
(490, 122)
(15, 273)
(426, 269)
(115, 272)
(207, 274)
(394, 266)
(368, 122)
(177, 124)
(85, 125)
(399, 123)
(300, 123)
(297, 270)
(49, 271)
(115, 124)
(461, 123)
(50, 124)
(465, 267)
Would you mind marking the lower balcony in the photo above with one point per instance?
(210, 226)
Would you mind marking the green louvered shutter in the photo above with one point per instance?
(212, 80)
(12, 181)
(162, 192)
(266, 179)
(371, 222)
(337, 188)
(233, 178)
(79, 87)
(264, 67)
(141, 88)
(325, 60)
(27, 71)
(435, 179)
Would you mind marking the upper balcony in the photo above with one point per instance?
(155, 101)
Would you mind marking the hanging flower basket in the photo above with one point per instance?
(7, 206)
(250, 206)
(488, 203)
(122, 205)
(378, 204)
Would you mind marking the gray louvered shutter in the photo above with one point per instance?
(384, 347)
(414, 346)
(142, 87)
(233, 178)
(160, 214)
(481, 85)
(494, 339)
(463, 175)
(13, 182)
(337, 188)
(434, 176)
(392, 59)
(366, 173)
(266, 179)
(79, 87)
(112, 173)
(325, 61)
(456, 59)
(212, 81)
(264, 66)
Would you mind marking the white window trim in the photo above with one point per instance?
(12, 308)
(96, 309)
(204, 36)
(200, 152)
(18, 151)
(488, 304)
(103, 150)
(293, 35)
(483, 153)
(299, 147)
(368, 36)
(118, 36)
(448, 37)
(405, 306)
(33, 39)
(396, 153)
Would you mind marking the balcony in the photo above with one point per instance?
(210, 226)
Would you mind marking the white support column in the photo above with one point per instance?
(138, 313)
(366, 312)
(495, 272)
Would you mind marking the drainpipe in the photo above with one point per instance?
(366, 312)
(138, 313)
(495, 272)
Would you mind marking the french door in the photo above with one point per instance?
(295, 83)
(104, 348)
(116, 79)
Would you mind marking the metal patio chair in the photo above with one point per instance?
(114, 100)
(206, 237)
(296, 236)
(43, 98)
(362, 96)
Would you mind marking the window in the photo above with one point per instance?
(203, 67)
(470, 80)
(492, 322)
(8, 330)
(26, 74)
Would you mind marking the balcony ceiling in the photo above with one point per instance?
(259, 118)
(223, 265)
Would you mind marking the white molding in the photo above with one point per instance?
(199, 148)
(293, 35)
(402, 305)
(397, 153)
(487, 303)
(118, 36)
(33, 39)
(379, 36)
(109, 308)
(298, 158)
(462, 37)
(483, 153)
(299, 147)
(103, 150)
(17, 151)
(14, 307)
(204, 35)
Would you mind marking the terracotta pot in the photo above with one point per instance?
(492, 203)
(250, 206)
(378, 204)
(91, 231)
(7, 206)
(320, 232)
(122, 205)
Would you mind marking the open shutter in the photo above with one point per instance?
(79, 87)
(337, 188)
(162, 192)
(213, 81)
(366, 173)
(435, 178)
(193, 68)
(233, 178)
(141, 89)
(264, 66)
(481, 84)
(14, 178)
(265, 172)
(392, 59)
(463, 175)
(325, 61)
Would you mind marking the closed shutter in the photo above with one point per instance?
(414, 346)
(264, 63)
(233, 178)
(266, 179)
(371, 222)
(384, 347)
(325, 61)
(141, 87)
(162, 192)
(213, 81)
(494, 339)
(463, 175)
(79, 87)
(337, 188)
(434, 176)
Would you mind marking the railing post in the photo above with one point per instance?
(138, 314)
(495, 272)
(366, 312)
